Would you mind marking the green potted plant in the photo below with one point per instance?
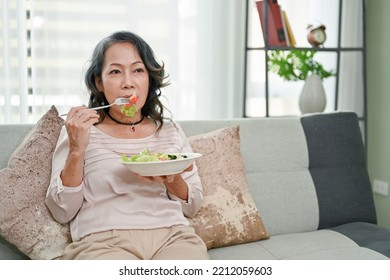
(295, 65)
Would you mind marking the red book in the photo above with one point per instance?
(276, 35)
(277, 16)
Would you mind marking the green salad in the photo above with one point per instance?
(130, 108)
(147, 156)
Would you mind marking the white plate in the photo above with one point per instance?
(161, 168)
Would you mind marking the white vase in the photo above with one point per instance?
(312, 98)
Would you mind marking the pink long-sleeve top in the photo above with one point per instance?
(112, 197)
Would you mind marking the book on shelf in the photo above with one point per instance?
(276, 34)
(284, 27)
(279, 28)
(289, 32)
(275, 9)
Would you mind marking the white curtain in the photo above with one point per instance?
(45, 46)
(13, 62)
(351, 78)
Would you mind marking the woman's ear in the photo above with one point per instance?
(99, 84)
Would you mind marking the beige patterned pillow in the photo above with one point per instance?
(24, 219)
(229, 215)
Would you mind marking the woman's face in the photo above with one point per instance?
(123, 74)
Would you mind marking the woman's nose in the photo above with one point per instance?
(127, 80)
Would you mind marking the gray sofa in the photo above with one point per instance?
(308, 178)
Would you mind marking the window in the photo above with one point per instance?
(45, 46)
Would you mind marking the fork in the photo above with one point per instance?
(118, 101)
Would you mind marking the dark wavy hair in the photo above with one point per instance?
(153, 107)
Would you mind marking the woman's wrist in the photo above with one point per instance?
(73, 172)
(177, 186)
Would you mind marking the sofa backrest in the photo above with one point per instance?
(304, 173)
(10, 138)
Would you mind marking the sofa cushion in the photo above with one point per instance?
(24, 219)
(317, 245)
(228, 215)
(9, 251)
(245, 251)
(367, 235)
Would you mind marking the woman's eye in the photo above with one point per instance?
(115, 71)
(139, 70)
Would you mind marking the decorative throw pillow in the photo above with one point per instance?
(24, 219)
(229, 215)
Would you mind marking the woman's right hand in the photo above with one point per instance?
(78, 123)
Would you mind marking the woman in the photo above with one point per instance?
(114, 213)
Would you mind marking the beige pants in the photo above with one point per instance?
(177, 242)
